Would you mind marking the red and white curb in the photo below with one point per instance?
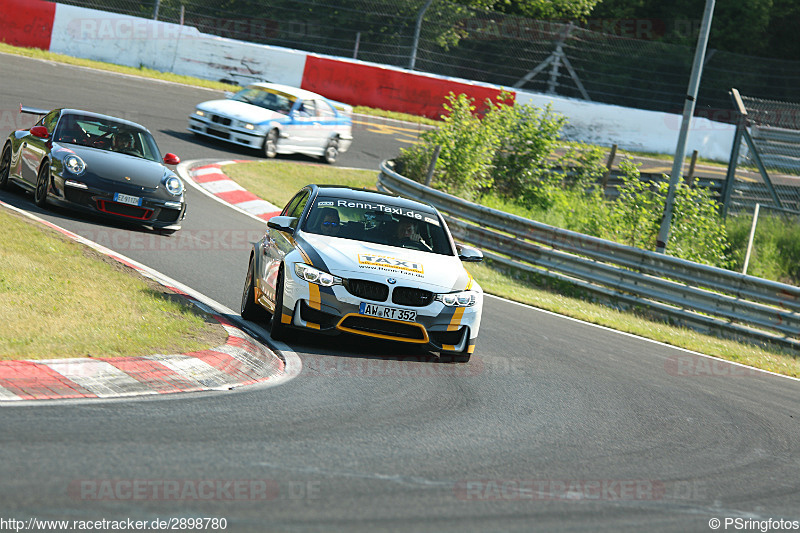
(240, 361)
(213, 181)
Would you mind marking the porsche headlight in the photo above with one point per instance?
(74, 164)
(313, 275)
(458, 299)
(173, 185)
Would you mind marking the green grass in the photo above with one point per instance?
(278, 181)
(61, 299)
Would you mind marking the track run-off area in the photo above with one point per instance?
(555, 424)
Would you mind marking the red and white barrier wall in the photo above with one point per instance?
(131, 41)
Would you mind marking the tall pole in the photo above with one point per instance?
(688, 111)
(417, 30)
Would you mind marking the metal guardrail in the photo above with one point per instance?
(692, 294)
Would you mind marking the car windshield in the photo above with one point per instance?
(379, 223)
(106, 134)
(272, 100)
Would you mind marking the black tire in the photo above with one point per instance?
(42, 186)
(278, 330)
(332, 151)
(5, 166)
(250, 310)
(271, 144)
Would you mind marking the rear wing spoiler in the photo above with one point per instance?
(33, 110)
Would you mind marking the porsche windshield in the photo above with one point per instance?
(379, 223)
(273, 101)
(106, 134)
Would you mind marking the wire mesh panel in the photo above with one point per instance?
(630, 69)
(772, 162)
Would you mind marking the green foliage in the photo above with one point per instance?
(776, 246)
(697, 232)
(635, 216)
(467, 148)
(521, 166)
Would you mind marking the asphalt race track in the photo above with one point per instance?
(555, 425)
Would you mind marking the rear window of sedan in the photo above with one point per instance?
(378, 223)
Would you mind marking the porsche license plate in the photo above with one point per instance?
(127, 199)
(387, 312)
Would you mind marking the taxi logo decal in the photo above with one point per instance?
(383, 262)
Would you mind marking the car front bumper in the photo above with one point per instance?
(154, 212)
(335, 310)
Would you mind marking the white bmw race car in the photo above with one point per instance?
(362, 262)
(277, 119)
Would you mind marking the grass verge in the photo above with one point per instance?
(278, 181)
(60, 299)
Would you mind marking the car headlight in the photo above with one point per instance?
(458, 299)
(313, 275)
(173, 185)
(199, 112)
(249, 126)
(74, 164)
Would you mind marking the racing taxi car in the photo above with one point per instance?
(277, 119)
(367, 263)
(96, 163)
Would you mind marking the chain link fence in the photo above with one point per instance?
(770, 137)
(624, 65)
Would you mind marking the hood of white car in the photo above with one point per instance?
(350, 259)
(241, 111)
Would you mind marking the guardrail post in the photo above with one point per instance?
(432, 166)
(750, 239)
(609, 164)
(690, 174)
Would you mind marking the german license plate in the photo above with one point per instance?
(387, 312)
(127, 199)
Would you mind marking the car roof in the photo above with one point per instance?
(91, 114)
(366, 195)
(288, 89)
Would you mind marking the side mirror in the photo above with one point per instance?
(468, 254)
(287, 224)
(229, 95)
(39, 131)
(171, 159)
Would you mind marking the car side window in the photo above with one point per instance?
(292, 204)
(49, 121)
(297, 210)
(296, 205)
(307, 109)
(325, 110)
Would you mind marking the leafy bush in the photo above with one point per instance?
(467, 146)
